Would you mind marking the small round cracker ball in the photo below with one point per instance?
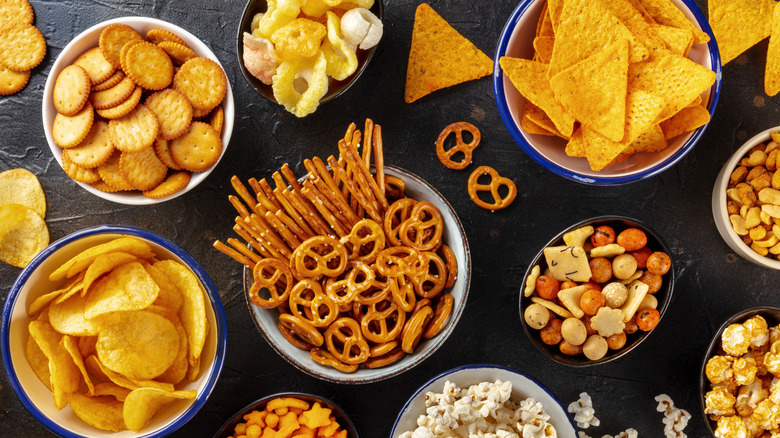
(536, 316)
(623, 266)
(591, 301)
(573, 331)
(595, 347)
(547, 287)
(569, 349)
(615, 293)
(632, 239)
(641, 256)
(551, 333)
(600, 270)
(630, 327)
(616, 341)
(603, 235)
(659, 263)
(653, 281)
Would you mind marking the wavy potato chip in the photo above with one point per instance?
(71, 346)
(178, 369)
(38, 362)
(103, 264)
(81, 262)
(103, 373)
(23, 234)
(102, 412)
(142, 403)
(112, 389)
(68, 317)
(65, 375)
(170, 296)
(20, 186)
(128, 287)
(139, 345)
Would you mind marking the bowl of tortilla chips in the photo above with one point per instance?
(138, 353)
(606, 93)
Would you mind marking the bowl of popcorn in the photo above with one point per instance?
(739, 372)
(113, 331)
(137, 110)
(301, 54)
(286, 413)
(746, 200)
(593, 103)
(510, 401)
(596, 290)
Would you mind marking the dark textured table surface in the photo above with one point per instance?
(713, 283)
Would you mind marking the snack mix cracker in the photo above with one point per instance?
(290, 417)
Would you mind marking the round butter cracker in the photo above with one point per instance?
(71, 90)
(77, 173)
(197, 149)
(113, 38)
(148, 66)
(202, 81)
(164, 154)
(173, 111)
(123, 108)
(142, 168)
(111, 174)
(69, 131)
(110, 82)
(95, 149)
(12, 81)
(179, 53)
(134, 131)
(16, 12)
(114, 95)
(23, 47)
(95, 65)
(172, 184)
(158, 36)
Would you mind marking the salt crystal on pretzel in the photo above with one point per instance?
(289, 238)
(319, 202)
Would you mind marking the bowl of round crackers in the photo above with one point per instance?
(604, 94)
(137, 110)
(139, 352)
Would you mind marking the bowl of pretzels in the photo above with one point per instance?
(356, 272)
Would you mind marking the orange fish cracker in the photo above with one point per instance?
(440, 56)
(290, 417)
(612, 79)
(128, 146)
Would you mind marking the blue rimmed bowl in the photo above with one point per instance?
(523, 386)
(516, 40)
(33, 282)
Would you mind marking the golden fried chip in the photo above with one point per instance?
(170, 296)
(94, 150)
(576, 146)
(172, 184)
(599, 150)
(69, 131)
(626, 11)
(12, 81)
(178, 369)
(544, 26)
(128, 287)
(772, 71)
(95, 65)
(642, 109)
(38, 362)
(543, 47)
(539, 117)
(65, 375)
(99, 370)
(135, 131)
(68, 318)
(142, 168)
(112, 389)
(440, 56)
(23, 46)
(71, 346)
(141, 404)
(87, 345)
(71, 90)
(664, 12)
(20, 186)
(687, 119)
(102, 412)
(103, 264)
(42, 301)
(679, 41)
(198, 148)
(594, 90)
(739, 24)
(194, 370)
(81, 261)
(23, 234)
(193, 311)
(74, 286)
(113, 38)
(531, 127)
(530, 79)
(148, 66)
(139, 345)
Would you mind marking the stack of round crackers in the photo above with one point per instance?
(23, 45)
(139, 113)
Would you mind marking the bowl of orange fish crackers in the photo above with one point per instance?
(137, 110)
(606, 93)
(113, 331)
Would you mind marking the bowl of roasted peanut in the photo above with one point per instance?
(596, 290)
(746, 200)
(739, 373)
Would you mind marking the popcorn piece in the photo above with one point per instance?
(744, 370)
(719, 402)
(759, 331)
(766, 415)
(731, 427)
(718, 369)
(772, 359)
(675, 419)
(735, 340)
(749, 396)
(584, 414)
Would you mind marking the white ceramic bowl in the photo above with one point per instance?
(516, 40)
(89, 39)
(523, 386)
(719, 200)
(454, 236)
(33, 281)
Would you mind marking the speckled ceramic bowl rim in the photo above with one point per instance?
(517, 134)
(719, 203)
(668, 287)
(344, 420)
(243, 26)
(66, 56)
(425, 387)
(421, 353)
(220, 331)
(714, 346)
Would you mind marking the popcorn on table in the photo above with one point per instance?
(584, 414)
(483, 410)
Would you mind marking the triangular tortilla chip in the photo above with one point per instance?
(633, 19)
(539, 117)
(543, 47)
(772, 72)
(594, 90)
(687, 119)
(530, 79)
(652, 140)
(554, 8)
(739, 24)
(666, 13)
(587, 27)
(642, 108)
(440, 57)
(679, 41)
(599, 150)
(544, 25)
(576, 146)
(676, 79)
(531, 127)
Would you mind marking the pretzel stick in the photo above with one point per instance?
(232, 253)
(322, 180)
(242, 191)
(340, 207)
(290, 177)
(350, 130)
(270, 235)
(349, 152)
(354, 190)
(268, 202)
(363, 171)
(289, 238)
(291, 225)
(293, 213)
(246, 252)
(239, 206)
(379, 159)
(367, 144)
(245, 225)
(325, 208)
(308, 211)
(254, 243)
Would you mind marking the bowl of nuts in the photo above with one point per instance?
(737, 378)
(746, 200)
(596, 290)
